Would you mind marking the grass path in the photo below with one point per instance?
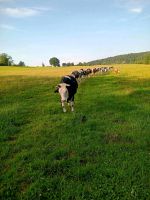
(101, 151)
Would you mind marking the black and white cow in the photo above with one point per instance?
(88, 71)
(75, 74)
(67, 88)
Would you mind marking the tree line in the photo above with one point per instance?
(132, 58)
(6, 60)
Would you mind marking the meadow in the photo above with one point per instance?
(99, 152)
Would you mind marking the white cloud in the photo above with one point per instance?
(136, 10)
(19, 12)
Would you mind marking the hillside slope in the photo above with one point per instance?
(132, 58)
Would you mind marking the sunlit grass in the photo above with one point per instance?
(141, 71)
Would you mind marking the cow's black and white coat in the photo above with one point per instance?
(67, 88)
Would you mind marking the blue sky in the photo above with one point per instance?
(73, 30)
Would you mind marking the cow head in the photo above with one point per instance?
(64, 94)
(63, 91)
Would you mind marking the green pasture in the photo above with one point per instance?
(99, 152)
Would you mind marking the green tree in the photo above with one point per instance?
(80, 64)
(64, 64)
(146, 59)
(5, 60)
(54, 62)
(21, 63)
(67, 64)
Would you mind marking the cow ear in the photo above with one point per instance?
(59, 86)
(67, 85)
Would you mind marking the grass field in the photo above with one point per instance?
(49, 155)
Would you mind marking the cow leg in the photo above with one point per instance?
(72, 106)
(63, 106)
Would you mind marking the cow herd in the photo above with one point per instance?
(86, 72)
(68, 85)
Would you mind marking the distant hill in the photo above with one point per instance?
(132, 58)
